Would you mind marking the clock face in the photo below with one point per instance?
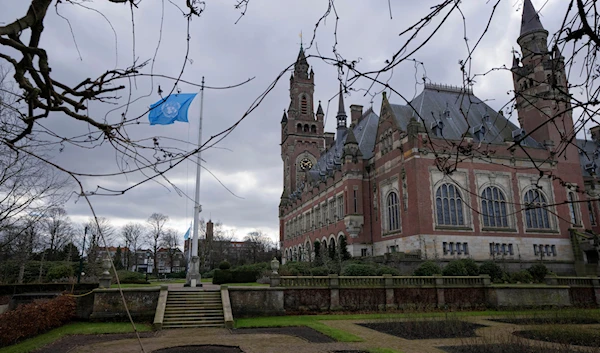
(305, 164)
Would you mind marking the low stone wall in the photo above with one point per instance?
(529, 296)
(256, 301)
(11, 289)
(108, 303)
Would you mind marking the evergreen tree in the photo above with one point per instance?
(118, 260)
(344, 254)
(318, 258)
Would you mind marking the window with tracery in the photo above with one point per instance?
(449, 205)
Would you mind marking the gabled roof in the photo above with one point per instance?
(461, 114)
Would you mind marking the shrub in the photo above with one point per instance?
(58, 272)
(295, 269)
(319, 271)
(471, 267)
(522, 276)
(455, 268)
(234, 276)
(428, 268)
(359, 270)
(130, 277)
(492, 269)
(181, 274)
(209, 274)
(386, 270)
(224, 265)
(35, 318)
(538, 272)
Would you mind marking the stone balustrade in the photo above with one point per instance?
(379, 281)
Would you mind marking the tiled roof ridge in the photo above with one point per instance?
(448, 88)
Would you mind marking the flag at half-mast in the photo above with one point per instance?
(171, 109)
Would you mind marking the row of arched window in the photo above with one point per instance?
(450, 208)
(306, 128)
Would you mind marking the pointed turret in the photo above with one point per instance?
(284, 119)
(301, 65)
(515, 61)
(341, 115)
(530, 21)
(320, 109)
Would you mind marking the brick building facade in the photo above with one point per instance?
(444, 176)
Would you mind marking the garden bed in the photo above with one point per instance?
(67, 343)
(568, 335)
(425, 329)
(303, 332)
(505, 347)
(207, 348)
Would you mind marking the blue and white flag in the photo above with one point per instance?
(173, 108)
(186, 236)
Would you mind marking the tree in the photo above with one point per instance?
(259, 246)
(118, 260)
(156, 222)
(344, 254)
(170, 242)
(100, 234)
(59, 230)
(133, 233)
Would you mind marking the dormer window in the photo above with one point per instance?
(437, 128)
(487, 120)
(518, 134)
(479, 132)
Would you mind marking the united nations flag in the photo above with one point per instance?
(173, 108)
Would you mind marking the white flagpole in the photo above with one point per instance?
(194, 272)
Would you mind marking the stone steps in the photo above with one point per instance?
(187, 309)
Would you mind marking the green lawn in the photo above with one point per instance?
(76, 328)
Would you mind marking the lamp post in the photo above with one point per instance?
(81, 257)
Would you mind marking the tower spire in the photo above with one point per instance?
(341, 115)
(530, 20)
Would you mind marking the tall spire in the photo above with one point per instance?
(301, 65)
(341, 115)
(530, 21)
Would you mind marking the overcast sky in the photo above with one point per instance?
(263, 43)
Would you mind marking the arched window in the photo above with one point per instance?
(536, 214)
(304, 104)
(306, 128)
(313, 129)
(393, 211)
(299, 128)
(493, 207)
(449, 205)
(573, 207)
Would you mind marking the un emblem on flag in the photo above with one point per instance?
(171, 109)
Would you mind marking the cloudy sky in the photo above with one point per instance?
(262, 44)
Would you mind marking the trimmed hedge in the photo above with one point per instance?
(359, 270)
(234, 276)
(428, 268)
(493, 270)
(33, 319)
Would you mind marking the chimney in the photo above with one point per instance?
(355, 113)
(209, 231)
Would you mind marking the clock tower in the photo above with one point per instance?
(302, 137)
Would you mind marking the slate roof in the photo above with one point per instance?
(365, 133)
(459, 112)
(589, 156)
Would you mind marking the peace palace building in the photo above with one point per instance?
(444, 176)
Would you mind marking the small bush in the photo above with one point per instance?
(471, 267)
(319, 271)
(386, 270)
(538, 272)
(428, 268)
(295, 269)
(234, 276)
(209, 274)
(181, 274)
(455, 268)
(522, 276)
(33, 319)
(130, 277)
(492, 269)
(58, 272)
(224, 265)
(359, 270)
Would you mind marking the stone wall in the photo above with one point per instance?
(249, 301)
(108, 303)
